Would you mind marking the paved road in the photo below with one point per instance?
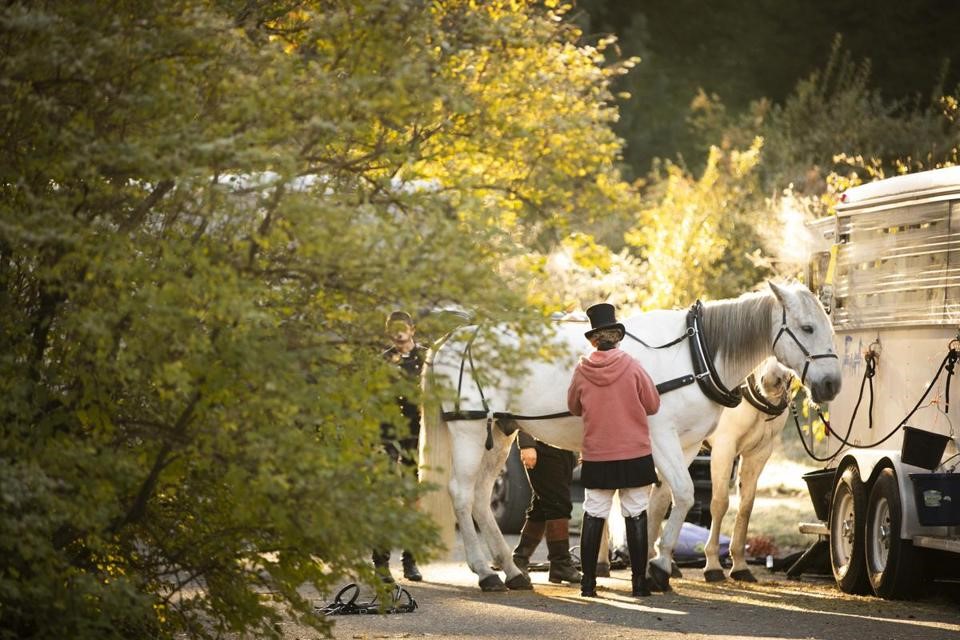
(451, 606)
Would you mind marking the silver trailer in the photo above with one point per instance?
(888, 270)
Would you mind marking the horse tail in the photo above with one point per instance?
(435, 462)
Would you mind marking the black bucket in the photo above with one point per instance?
(922, 448)
(937, 498)
(820, 487)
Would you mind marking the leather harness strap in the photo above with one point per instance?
(751, 393)
(705, 373)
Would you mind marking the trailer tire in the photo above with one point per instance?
(848, 507)
(894, 565)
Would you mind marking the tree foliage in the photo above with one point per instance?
(717, 232)
(207, 209)
(695, 234)
(746, 52)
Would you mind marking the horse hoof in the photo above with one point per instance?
(743, 575)
(675, 570)
(658, 579)
(714, 575)
(519, 582)
(492, 583)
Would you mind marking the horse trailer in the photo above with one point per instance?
(887, 268)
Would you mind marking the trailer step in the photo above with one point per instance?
(815, 528)
(943, 544)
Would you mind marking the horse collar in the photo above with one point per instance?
(706, 373)
(750, 391)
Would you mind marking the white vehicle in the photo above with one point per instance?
(888, 271)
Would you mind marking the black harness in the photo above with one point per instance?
(401, 602)
(705, 375)
(751, 393)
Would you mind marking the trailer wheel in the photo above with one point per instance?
(894, 565)
(847, 515)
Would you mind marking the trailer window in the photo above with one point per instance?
(899, 266)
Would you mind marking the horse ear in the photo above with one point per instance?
(779, 292)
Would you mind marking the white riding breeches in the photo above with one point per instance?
(633, 501)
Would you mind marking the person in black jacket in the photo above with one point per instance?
(550, 471)
(409, 357)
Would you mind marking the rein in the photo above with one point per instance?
(689, 333)
(949, 362)
(402, 602)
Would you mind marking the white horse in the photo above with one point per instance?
(787, 321)
(749, 430)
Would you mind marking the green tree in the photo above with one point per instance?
(744, 52)
(717, 233)
(207, 209)
(696, 233)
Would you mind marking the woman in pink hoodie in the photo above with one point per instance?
(614, 395)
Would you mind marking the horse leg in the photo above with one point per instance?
(750, 469)
(615, 539)
(493, 461)
(656, 512)
(672, 465)
(468, 438)
(722, 456)
(603, 555)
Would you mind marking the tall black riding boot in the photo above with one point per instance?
(381, 564)
(410, 570)
(530, 536)
(590, 535)
(637, 545)
(558, 549)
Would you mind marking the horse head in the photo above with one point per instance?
(803, 341)
(774, 380)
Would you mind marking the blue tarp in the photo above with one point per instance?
(692, 540)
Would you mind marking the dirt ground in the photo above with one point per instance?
(451, 606)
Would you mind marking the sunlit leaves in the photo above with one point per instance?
(208, 210)
(687, 233)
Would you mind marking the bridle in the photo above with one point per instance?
(784, 329)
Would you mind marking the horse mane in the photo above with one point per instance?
(738, 330)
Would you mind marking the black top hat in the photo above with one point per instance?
(602, 316)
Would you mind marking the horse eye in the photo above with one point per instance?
(807, 328)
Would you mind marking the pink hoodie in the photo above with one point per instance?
(614, 394)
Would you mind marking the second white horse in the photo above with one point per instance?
(749, 430)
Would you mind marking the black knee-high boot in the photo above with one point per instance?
(590, 535)
(530, 536)
(637, 545)
(381, 563)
